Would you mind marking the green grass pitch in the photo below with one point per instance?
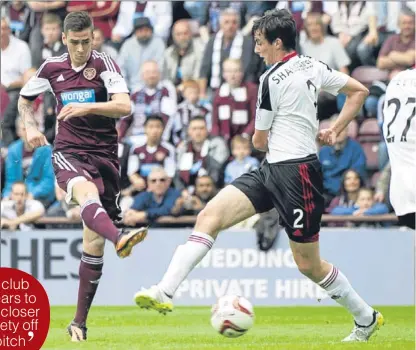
(284, 328)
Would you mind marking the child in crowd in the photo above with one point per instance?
(364, 205)
(243, 162)
(189, 108)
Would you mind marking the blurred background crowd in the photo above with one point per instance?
(193, 76)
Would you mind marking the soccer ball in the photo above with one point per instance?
(232, 316)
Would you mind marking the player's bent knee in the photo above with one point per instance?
(84, 191)
(210, 219)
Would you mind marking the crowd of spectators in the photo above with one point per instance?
(193, 77)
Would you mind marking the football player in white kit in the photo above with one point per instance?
(290, 179)
(399, 129)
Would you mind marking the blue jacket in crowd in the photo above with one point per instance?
(376, 209)
(40, 179)
(145, 202)
(237, 168)
(334, 164)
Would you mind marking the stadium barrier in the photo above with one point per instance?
(185, 220)
(378, 262)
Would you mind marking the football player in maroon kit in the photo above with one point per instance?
(91, 95)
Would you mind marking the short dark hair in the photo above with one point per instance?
(77, 22)
(277, 24)
(154, 117)
(205, 177)
(198, 117)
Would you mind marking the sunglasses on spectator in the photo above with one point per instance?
(162, 180)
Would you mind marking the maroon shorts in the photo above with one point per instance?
(102, 171)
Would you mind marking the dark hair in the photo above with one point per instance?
(154, 117)
(198, 117)
(343, 190)
(277, 24)
(343, 194)
(205, 177)
(77, 22)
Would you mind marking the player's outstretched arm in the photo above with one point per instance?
(33, 136)
(356, 95)
(118, 107)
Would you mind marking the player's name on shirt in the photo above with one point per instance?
(283, 73)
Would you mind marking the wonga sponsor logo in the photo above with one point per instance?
(78, 96)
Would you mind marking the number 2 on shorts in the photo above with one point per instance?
(297, 223)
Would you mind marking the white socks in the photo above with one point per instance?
(186, 257)
(339, 289)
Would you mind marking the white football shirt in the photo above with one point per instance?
(399, 129)
(287, 102)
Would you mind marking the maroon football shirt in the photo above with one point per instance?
(93, 82)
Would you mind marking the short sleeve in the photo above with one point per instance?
(111, 75)
(341, 57)
(34, 206)
(264, 113)
(38, 84)
(332, 80)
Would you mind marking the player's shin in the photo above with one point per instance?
(185, 258)
(340, 290)
(90, 271)
(96, 219)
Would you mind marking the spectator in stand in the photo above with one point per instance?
(234, 106)
(398, 51)
(61, 208)
(15, 61)
(350, 24)
(20, 16)
(98, 44)
(323, 47)
(189, 108)
(157, 201)
(154, 96)
(201, 155)
(396, 54)
(51, 29)
(183, 58)
(148, 153)
(343, 155)
(33, 166)
(103, 13)
(351, 185)
(327, 49)
(188, 204)
(20, 211)
(141, 47)
(301, 9)
(364, 205)
(212, 16)
(243, 162)
(158, 12)
(387, 13)
(229, 42)
(36, 39)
